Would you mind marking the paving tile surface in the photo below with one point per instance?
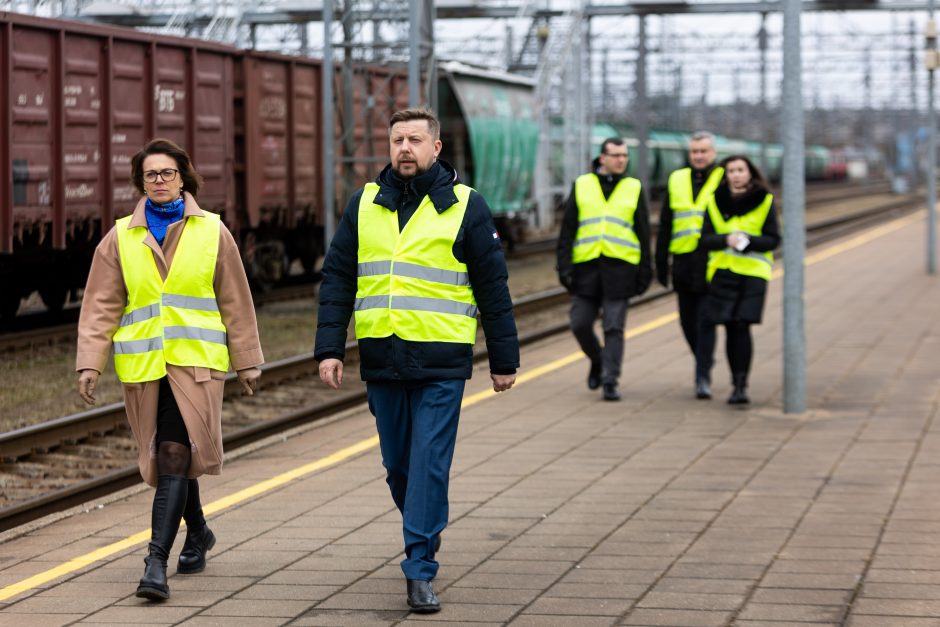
(565, 510)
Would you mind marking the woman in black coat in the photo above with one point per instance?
(739, 231)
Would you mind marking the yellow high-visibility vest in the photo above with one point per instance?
(688, 212)
(605, 225)
(409, 283)
(176, 321)
(754, 264)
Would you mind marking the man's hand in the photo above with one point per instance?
(662, 275)
(331, 372)
(87, 381)
(501, 382)
(249, 378)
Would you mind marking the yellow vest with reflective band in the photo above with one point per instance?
(176, 321)
(409, 283)
(605, 225)
(754, 264)
(688, 212)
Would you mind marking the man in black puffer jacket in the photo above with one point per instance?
(415, 256)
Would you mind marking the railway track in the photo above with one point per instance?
(55, 465)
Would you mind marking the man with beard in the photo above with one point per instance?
(415, 256)
(680, 227)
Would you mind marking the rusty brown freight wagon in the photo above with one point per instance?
(77, 100)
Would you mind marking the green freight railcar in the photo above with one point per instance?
(490, 133)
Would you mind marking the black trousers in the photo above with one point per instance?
(691, 318)
(170, 425)
(614, 318)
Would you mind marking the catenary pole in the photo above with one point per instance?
(642, 107)
(931, 145)
(794, 235)
(765, 131)
(414, 58)
(327, 129)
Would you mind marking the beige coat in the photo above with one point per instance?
(198, 391)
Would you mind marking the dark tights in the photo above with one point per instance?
(173, 452)
(173, 459)
(739, 347)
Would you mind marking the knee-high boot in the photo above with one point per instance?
(199, 538)
(168, 504)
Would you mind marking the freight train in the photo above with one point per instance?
(78, 100)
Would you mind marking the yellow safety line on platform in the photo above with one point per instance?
(370, 443)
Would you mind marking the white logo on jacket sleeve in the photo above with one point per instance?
(495, 235)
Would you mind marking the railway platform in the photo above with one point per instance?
(566, 510)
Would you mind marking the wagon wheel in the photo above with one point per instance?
(53, 295)
(9, 304)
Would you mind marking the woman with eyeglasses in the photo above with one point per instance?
(167, 292)
(740, 232)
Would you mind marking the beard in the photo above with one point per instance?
(418, 171)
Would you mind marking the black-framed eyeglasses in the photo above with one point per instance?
(167, 175)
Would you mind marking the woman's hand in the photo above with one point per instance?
(87, 381)
(249, 378)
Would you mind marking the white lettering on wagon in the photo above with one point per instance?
(78, 192)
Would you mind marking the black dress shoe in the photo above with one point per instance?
(594, 376)
(702, 389)
(610, 392)
(421, 597)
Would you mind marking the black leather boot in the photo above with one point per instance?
(199, 538)
(421, 597)
(168, 504)
(594, 375)
(739, 393)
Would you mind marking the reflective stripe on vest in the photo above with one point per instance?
(605, 225)
(754, 264)
(176, 321)
(409, 283)
(688, 213)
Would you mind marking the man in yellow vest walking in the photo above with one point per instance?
(680, 227)
(415, 258)
(604, 259)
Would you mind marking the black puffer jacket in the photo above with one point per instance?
(395, 359)
(604, 277)
(688, 269)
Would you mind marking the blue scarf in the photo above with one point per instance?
(159, 217)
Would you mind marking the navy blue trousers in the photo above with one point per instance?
(417, 425)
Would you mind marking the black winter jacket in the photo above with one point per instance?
(477, 246)
(604, 277)
(688, 269)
